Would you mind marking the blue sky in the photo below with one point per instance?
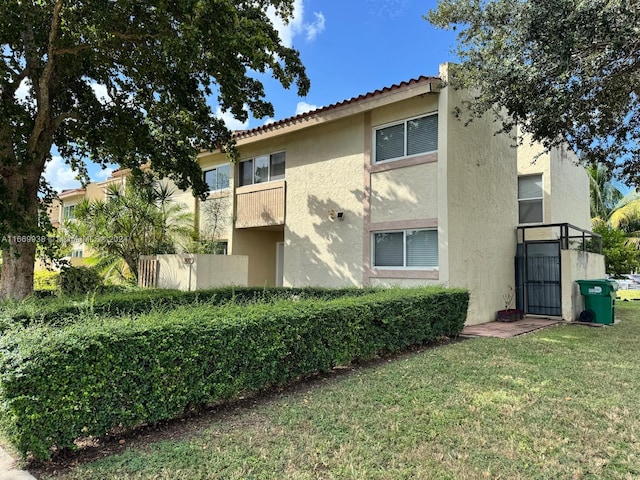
(348, 48)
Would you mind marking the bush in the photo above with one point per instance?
(45, 280)
(59, 384)
(117, 302)
(79, 280)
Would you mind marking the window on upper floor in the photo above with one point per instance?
(67, 212)
(530, 199)
(218, 178)
(411, 249)
(407, 138)
(265, 168)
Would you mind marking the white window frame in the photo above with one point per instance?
(404, 250)
(406, 139)
(269, 175)
(70, 208)
(204, 176)
(541, 198)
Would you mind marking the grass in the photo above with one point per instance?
(560, 403)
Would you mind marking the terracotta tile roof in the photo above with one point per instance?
(240, 134)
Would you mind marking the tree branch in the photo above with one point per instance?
(57, 121)
(44, 101)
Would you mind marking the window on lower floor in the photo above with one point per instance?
(265, 168)
(76, 253)
(530, 199)
(406, 249)
(218, 178)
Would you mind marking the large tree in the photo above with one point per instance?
(123, 81)
(562, 70)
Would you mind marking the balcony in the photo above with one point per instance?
(260, 205)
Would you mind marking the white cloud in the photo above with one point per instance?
(102, 174)
(297, 25)
(60, 175)
(304, 107)
(315, 28)
(230, 121)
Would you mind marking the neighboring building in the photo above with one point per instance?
(390, 188)
(62, 210)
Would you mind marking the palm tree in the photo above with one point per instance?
(626, 217)
(140, 219)
(604, 195)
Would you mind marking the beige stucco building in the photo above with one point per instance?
(390, 188)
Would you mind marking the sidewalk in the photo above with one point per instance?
(8, 469)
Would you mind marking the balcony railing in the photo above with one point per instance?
(260, 205)
(570, 236)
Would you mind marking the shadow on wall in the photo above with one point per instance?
(331, 255)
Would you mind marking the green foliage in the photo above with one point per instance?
(141, 219)
(79, 280)
(562, 71)
(125, 83)
(59, 384)
(118, 300)
(45, 280)
(620, 256)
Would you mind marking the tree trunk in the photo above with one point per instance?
(21, 233)
(17, 268)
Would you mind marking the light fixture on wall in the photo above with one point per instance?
(333, 215)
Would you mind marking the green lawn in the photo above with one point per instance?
(558, 404)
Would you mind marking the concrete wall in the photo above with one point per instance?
(324, 173)
(259, 246)
(569, 190)
(477, 197)
(207, 271)
(577, 265)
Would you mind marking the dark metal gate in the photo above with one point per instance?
(538, 278)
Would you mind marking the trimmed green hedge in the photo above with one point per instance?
(61, 384)
(65, 310)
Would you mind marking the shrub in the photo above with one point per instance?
(45, 280)
(79, 280)
(59, 384)
(115, 302)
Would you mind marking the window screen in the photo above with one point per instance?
(390, 142)
(389, 249)
(422, 135)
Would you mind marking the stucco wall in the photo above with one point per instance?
(260, 248)
(569, 190)
(405, 193)
(207, 271)
(324, 172)
(577, 265)
(477, 192)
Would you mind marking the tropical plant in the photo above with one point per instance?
(620, 256)
(604, 195)
(122, 82)
(139, 219)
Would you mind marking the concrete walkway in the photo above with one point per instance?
(509, 329)
(9, 471)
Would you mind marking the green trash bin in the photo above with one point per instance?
(599, 300)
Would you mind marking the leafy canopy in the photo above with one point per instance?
(562, 70)
(123, 82)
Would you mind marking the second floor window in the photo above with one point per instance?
(67, 212)
(530, 199)
(218, 178)
(265, 168)
(404, 139)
